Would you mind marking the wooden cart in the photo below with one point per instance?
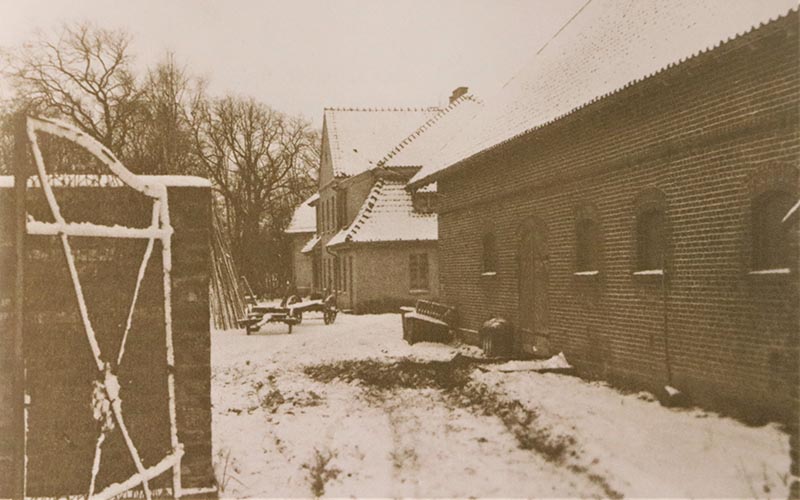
(291, 314)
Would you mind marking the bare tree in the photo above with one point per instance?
(162, 139)
(85, 76)
(262, 163)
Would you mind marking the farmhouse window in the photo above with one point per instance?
(651, 244)
(343, 267)
(350, 269)
(336, 284)
(418, 270)
(341, 200)
(771, 236)
(329, 218)
(424, 202)
(489, 256)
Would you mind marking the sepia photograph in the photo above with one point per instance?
(256, 249)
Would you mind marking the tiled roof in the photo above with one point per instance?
(422, 144)
(608, 45)
(304, 219)
(388, 215)
(359, 138)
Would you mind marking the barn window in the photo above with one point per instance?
(651, 243)
(586, 245)
(418, 271)
(489, 257)
(771, 236)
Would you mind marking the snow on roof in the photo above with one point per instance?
(310, 244)
(388, 215)
(359, 138)
(419, 147)
(608, 45)
(304, 219)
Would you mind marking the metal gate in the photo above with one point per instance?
(93, 445)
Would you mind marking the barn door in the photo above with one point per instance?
(533, 284)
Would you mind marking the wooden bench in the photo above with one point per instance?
(428, 321)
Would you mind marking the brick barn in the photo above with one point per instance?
(621, 201)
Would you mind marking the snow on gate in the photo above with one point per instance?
(115, 389)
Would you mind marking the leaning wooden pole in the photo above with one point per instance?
(21, 168)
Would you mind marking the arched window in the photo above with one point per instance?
(651, 232)
(651, 243)
(489, 257)
(586, 251)
(772, 245)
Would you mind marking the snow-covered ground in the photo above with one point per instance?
(301, 414)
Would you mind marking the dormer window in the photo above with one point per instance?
(424, 202)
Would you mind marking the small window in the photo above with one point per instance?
(489, 257)
(771, 237)
(329, 216)
(341, 200)
(651, 244)
(424, 202)
(418, 270)
(586, 245)
(334, 212)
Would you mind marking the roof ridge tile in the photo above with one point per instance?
(413, 109)
(427, 125)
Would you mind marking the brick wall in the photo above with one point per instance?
(60, 368)
(705, 133)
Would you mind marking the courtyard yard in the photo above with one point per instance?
(350, 409)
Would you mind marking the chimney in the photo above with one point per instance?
(458, 93)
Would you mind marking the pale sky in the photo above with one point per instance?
(300, 56)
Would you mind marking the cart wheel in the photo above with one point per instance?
(333, 315)
(326, 317)
(294, 299)
(299, 316)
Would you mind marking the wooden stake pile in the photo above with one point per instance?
(227, 301)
